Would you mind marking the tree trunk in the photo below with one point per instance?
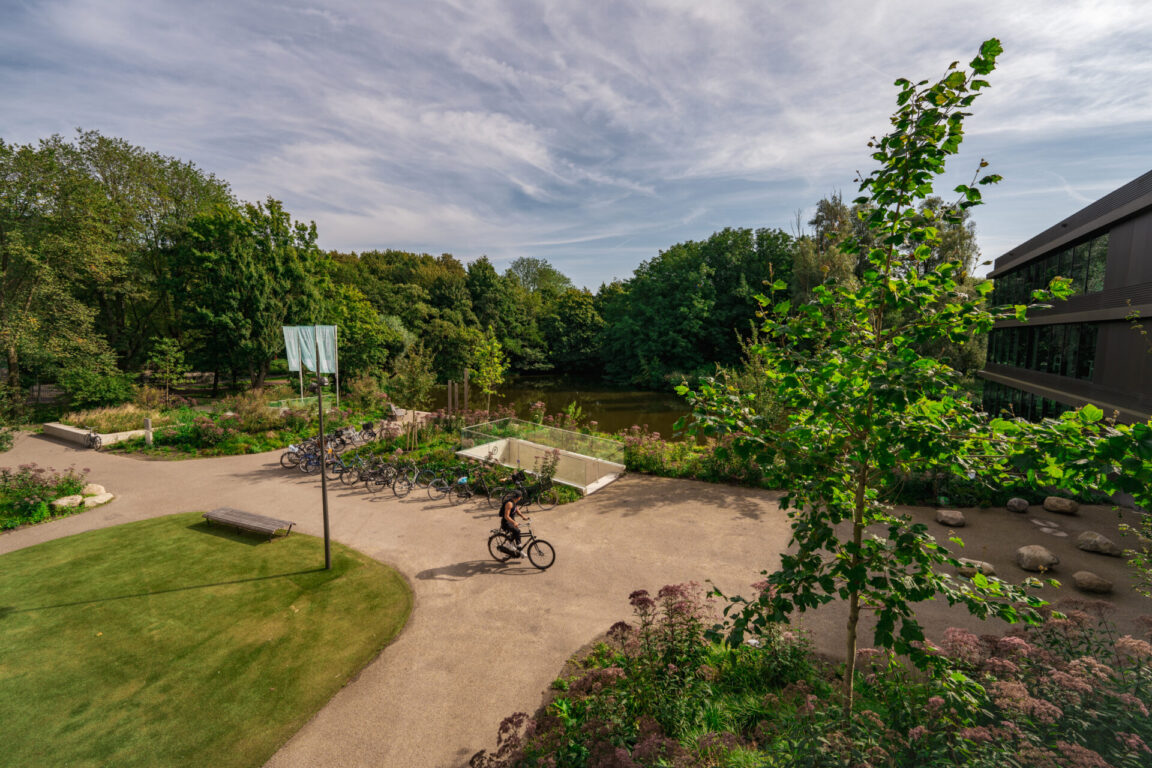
(261, 374)
(854, 595)
(215, 382)
(13, 368)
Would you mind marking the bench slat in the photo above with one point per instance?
(248, 521)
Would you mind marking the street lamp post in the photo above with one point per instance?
(321, 382)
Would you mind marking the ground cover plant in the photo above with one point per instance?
(27, 492)
(239, 424)
(1069, 693)
(174, 643)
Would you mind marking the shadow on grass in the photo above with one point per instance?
(470, 568)
(6, 611)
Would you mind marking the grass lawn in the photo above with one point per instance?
(168, 642)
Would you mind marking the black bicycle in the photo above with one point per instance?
(540, 553)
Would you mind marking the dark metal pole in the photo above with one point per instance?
(323, 460)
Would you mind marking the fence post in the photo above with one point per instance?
(465, 388)
(147, 431)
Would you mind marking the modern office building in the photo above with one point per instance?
(1087, 349)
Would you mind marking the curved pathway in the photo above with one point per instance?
(484, 639)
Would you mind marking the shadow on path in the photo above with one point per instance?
(470, 568)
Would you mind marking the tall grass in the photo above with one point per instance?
(120, 418)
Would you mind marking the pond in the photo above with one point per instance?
(612, 409)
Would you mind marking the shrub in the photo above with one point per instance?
(365, 394)
(251, 411)
(1068, 692)
(90, 387)
(27, 491)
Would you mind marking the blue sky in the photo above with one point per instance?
(592, 134)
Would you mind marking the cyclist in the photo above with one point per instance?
(509, 510)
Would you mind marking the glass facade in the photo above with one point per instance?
(1063, 350)
(1002, 400)
(1083, 263)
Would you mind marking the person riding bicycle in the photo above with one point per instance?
(509, 510)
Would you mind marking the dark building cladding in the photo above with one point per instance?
(1088, 349)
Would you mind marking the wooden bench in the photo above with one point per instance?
(394, 413)
(248, 521)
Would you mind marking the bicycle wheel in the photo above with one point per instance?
(350, 476)
(548, 498)
(402, 486)
(424, 478)
(541, 554)
(494, 542)
(437, 488)
(289, 459)
(459, 493)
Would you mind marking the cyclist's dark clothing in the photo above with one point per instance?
(512, 531)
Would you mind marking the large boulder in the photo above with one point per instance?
(969, 567)
(1035, 558)
(1086, 581)
(1017, 505)
(1061, 505)
(953, 518)
(95, 501)
(1090, 541)
(92, 490)
(65, 502)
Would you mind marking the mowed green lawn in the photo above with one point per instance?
(170, 642)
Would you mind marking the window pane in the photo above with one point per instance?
(1071, 349)
(1079, 268)
(1043, 349)
(1097, 264)
(1048, 269)
(1056, 364)
(1086, 354)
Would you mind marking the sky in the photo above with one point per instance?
(592, 134)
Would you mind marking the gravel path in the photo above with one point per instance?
(485, 639)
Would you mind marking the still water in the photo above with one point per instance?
(613, 409)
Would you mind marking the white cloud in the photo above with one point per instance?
(591, 133)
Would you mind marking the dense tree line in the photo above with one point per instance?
(108, 250)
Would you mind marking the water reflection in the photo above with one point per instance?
(613, 409)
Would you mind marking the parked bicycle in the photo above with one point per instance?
(93, 440)
(540, 553)
(541, 493)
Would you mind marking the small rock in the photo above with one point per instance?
(970, 568)
(1061, 505)
(1017, 505)
(953, 518)
(1035, 558)
(92, 490)
(1055, 532)
(68, 501)
(1090, 541)
(95, 501)
(1086, 581)
(1044, 523)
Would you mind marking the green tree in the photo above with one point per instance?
(571, 329)
(489, 365)
(863, 405)
(240, 274)
(538, 276)
(167, 363)
(367, 340)
(412, 378)
(146, 201)
(52, 230)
